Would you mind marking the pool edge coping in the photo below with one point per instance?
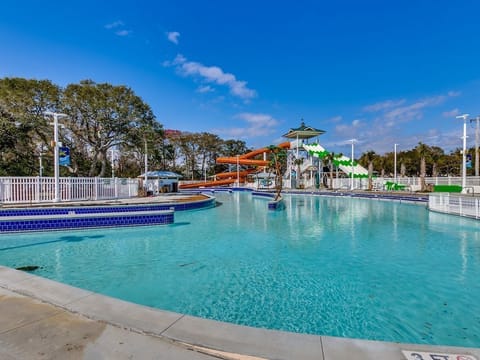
(205, 333)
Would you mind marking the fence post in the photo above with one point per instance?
(116, 187)
(95, 194)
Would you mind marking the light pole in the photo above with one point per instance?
(146, 165)
(238, 171)
(353, 167)
(464, 155)
(477, 139)
(56, 152)
(40, 149)
(395, 162)
(112, 150)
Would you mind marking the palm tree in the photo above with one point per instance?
(369, 157)
(422, 151)
(330, 158)
(298, 162)
(277, 163)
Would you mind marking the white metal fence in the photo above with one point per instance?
(15, 190)
(412, 183)
(455, 204)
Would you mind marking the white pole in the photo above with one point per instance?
(56, 158)
(238, 171)
(40, 170)
(113, 163)
(395, 163)
(146, 165)
(477, 139)
(353, 167)
(464, 152)
(56, 153)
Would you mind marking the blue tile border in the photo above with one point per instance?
(88, 216)
(87, 209)
(75, 221)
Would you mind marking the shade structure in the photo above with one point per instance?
(303, 132)
(161, 175)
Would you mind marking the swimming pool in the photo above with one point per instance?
(331, 266)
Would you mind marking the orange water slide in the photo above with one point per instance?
(228, 178)
(234, 174)
(246, 159)
(208, 183)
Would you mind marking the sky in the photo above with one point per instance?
(381, 72)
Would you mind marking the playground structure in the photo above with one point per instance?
(305, 165)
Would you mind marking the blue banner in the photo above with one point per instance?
(64, 156)
(468, 161)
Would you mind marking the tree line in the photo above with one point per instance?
(108, 127)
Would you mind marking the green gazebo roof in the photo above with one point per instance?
(303, 132)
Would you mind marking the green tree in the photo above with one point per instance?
(368, 158)
(23, 126)
(278, 161)
(423, 152)
(101, 116)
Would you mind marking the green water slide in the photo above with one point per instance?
(342, 162)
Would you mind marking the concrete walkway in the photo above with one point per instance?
(43, 319)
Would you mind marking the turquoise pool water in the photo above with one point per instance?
(331, 266)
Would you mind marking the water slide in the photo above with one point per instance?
(227, 178)
(344, 163)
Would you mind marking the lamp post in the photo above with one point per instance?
(464, 155)
(353, 167)
(477, 139)
(112, 151)
(146, 165)
(40, 149)
(56, 151)
(395, 162)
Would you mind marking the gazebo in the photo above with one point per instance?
(303, 132)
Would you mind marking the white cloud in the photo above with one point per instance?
(384, 105)
(454, 93)
(205, 89)
(335, 119)
(389, 126)
(123, 32)
(173, 36)
(452, 113)
(257, 125)
(117, 27)
(114, 24)
(212, 74)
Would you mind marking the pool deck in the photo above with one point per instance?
(44, 319)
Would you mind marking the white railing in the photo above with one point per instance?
(455, 204)
(411, 183)
(17, 190)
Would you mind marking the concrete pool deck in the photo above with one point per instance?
(44, 319)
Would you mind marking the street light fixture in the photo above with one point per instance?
(56, 116)
(353, 141)
(464, 152)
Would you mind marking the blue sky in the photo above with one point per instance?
(382, 72)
